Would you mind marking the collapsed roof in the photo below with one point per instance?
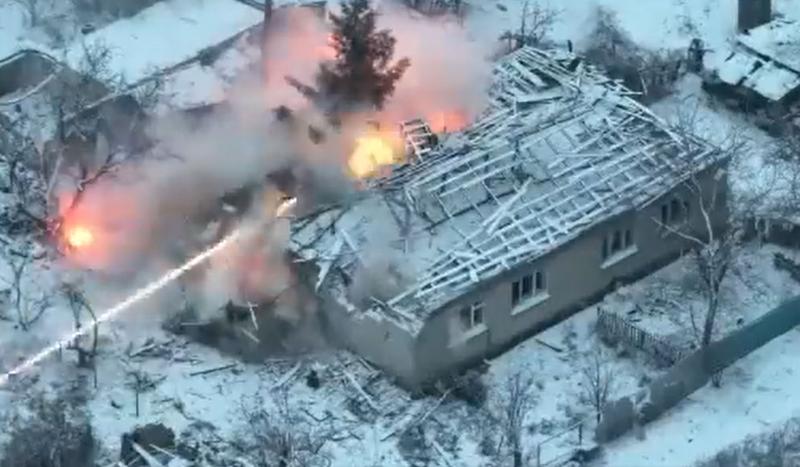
(766, 60)
(560, 149)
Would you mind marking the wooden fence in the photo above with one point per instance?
(615, 328)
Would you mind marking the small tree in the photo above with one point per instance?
(53, 433)
(597, 382)
(139, 382)
(714, 248)
(284, 437)
(512, 408)
(362, 73)
(78, 303)
(28, 190)
(28, 308)
(535, 23)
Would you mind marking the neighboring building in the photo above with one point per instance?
(552, 197)
(760, 72)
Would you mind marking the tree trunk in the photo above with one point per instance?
(136, 392)
(708, 334)
(517, 457)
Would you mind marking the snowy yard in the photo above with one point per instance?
(209, 406)
(369, 421)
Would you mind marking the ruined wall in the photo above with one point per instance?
(575, 276)
(374, 337)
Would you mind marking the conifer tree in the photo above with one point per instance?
(362, 73)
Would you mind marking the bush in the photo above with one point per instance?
(651, 74)
(53, 433)
(470, 388)
(776, 449)
(415, 448)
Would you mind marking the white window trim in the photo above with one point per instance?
(530, 302)
(619, 256)
(534, 291)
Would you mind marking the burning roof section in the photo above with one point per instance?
(560, 149)
(766, 59)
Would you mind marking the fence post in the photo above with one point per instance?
(580, 434)
(539, 455)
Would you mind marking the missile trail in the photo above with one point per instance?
(134, 298)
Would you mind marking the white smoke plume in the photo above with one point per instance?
(151, 213)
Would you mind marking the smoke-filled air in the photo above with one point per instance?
(270, 141)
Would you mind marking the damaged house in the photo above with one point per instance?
(759, 72)
(562, 189)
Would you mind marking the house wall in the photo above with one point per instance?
(372, 336)
(575, 278)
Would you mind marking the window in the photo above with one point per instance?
(528, 286)
(674, 212)
(472, 316)
(617, 241)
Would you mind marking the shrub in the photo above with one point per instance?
(48, 433)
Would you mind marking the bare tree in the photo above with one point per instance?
(597, 382)
(536, 22)
(78, 303)
(32, 9)
(513, 405)
(285, 437)
(53, 433)
(714, 248)
(28, 308)
(20, 154)
(140, 382)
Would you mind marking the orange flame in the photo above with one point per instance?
(372, 152)
(444, 122)
(78, 236)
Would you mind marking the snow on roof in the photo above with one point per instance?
(773, 82)
(520, 182)
(168, 34)
(196, 85)
(764, 60)
(779, 40)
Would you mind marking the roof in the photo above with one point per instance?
(167, 34)
(766, 60)
(558, 152)
(779, 40)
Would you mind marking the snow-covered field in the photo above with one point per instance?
(366, 413)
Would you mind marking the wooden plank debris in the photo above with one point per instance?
(360, 390)
(287, 376)
(213, 370)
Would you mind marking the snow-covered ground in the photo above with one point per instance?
(757, 394)
(553, 359)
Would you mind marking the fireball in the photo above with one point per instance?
(372, 152)
(78, 236)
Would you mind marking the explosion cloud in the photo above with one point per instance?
(161, 209)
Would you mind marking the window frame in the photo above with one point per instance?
(468, 314)
(536, 290)
(624, 240)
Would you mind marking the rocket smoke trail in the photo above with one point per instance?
(112, 312)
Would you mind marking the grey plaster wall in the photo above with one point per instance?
(575, 278)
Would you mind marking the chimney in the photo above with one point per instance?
(754, 13)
